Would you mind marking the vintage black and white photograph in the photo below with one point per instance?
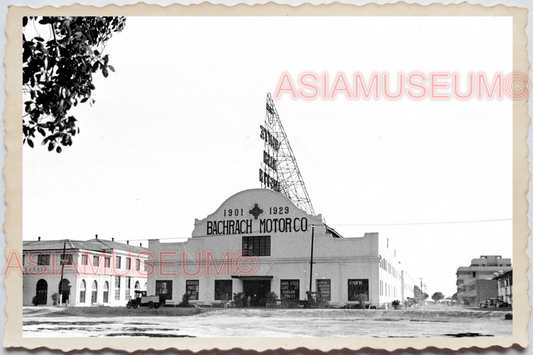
(268, 176)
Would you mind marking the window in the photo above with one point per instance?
(82, 291)
(137, 264)
(289, 289)
(164, 288)
(67, 260)
(106, 292)
(107, 262)
(193, 288)
(256, 246)
(358, 290)
(128, 263)
(128, 288)
(43, 259)
(223, 290)
(323, 286)
(96, 260)
(117, 287)
(117, 262)
(84, 259)
(94, 295)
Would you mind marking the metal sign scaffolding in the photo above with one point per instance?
(279, 170)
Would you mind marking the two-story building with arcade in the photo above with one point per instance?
(94, 272)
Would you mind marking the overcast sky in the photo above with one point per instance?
(175, 132)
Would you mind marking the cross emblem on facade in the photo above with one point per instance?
(256, 211)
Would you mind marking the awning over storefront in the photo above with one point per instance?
(253, 277)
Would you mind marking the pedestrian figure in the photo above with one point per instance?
(249, 300)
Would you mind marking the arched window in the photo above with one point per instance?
(106, 292)
(82, 291)
(94, 294)
(137, 285)
(145, 286)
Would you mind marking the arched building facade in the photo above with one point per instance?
(258, 242)
(93, 272)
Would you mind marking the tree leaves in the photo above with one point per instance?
(57, 73)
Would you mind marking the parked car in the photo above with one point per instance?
(143, 300)
(493, 303)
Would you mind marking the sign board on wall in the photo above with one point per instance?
(290, 289)
(323, 286)
(358, 290)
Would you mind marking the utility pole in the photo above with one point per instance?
(62, 261)
(309, 296)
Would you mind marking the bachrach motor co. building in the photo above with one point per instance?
(213, 264)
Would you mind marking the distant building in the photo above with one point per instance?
(93, 272)
(259, 242)
(479, 290)
(475, 282)
(505, 286)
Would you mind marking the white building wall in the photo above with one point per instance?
(89, 273)
(337, 259)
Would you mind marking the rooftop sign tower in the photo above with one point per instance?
(279, 170)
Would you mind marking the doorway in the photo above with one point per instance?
(64, 289)
(42, 292)
(257, 291)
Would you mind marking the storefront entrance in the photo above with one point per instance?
(255, 291)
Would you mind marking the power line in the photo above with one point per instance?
(422, 223)
(369, 224)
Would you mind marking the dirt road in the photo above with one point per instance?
(275, 323)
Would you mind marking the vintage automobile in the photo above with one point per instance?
(493, 303)
(143, 300)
